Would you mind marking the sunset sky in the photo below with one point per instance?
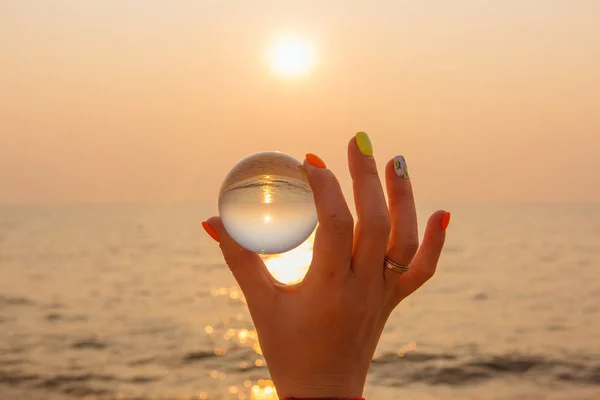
(154, 101)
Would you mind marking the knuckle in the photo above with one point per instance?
(230, 256)
(371, 170)
(406, 248)
(341, 223)
(421, 276)
(379, 223)
(409, 249)
(405, 193)
(426, 274)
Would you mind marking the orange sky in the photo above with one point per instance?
(154, 101)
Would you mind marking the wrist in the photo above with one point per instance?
(323, 389)
(318, 384)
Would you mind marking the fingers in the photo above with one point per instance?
(332, 250)
(247, 267)
(373, 226)
(425, 261)
(404, 236)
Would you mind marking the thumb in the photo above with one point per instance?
(247, 267)
(424, 263)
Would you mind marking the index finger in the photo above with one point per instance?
(332, 251)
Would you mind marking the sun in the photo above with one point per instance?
(292, 56)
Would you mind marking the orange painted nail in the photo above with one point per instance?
(445, 220)
(315, 160)
(211, 232)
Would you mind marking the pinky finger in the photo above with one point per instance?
(425, 262)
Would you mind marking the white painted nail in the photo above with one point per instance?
(400, 167)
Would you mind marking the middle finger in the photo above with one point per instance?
(373, 226)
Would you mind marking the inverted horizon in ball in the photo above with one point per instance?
(266, 203)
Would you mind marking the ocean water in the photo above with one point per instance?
(135, 302)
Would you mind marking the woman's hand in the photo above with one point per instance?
(318, 337)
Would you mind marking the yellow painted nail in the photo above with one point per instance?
(364, 144)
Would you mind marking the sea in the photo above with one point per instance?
(135, 302)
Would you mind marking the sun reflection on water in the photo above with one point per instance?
(263, 390)
(267, 193)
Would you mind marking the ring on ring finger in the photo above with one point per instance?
(395, 267)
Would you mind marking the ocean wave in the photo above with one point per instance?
(85, 384)
(198, 355)
(89, 343)
(62, 380)
(15, 301)
(453, 370)
(56, 316)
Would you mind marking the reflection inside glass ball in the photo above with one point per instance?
(266, 203)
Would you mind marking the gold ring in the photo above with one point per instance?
(400, 269)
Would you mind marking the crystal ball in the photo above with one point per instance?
(266, 203)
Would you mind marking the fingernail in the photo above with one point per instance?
(445, 220)
(400, 167)
(364, 144)
(315, 161)
(211, 232)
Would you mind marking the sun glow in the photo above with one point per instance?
(292, 56)
(292, 266)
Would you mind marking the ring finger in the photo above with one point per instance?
(404, 235)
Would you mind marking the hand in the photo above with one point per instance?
(318, 337)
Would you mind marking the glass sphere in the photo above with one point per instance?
(266, 203)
